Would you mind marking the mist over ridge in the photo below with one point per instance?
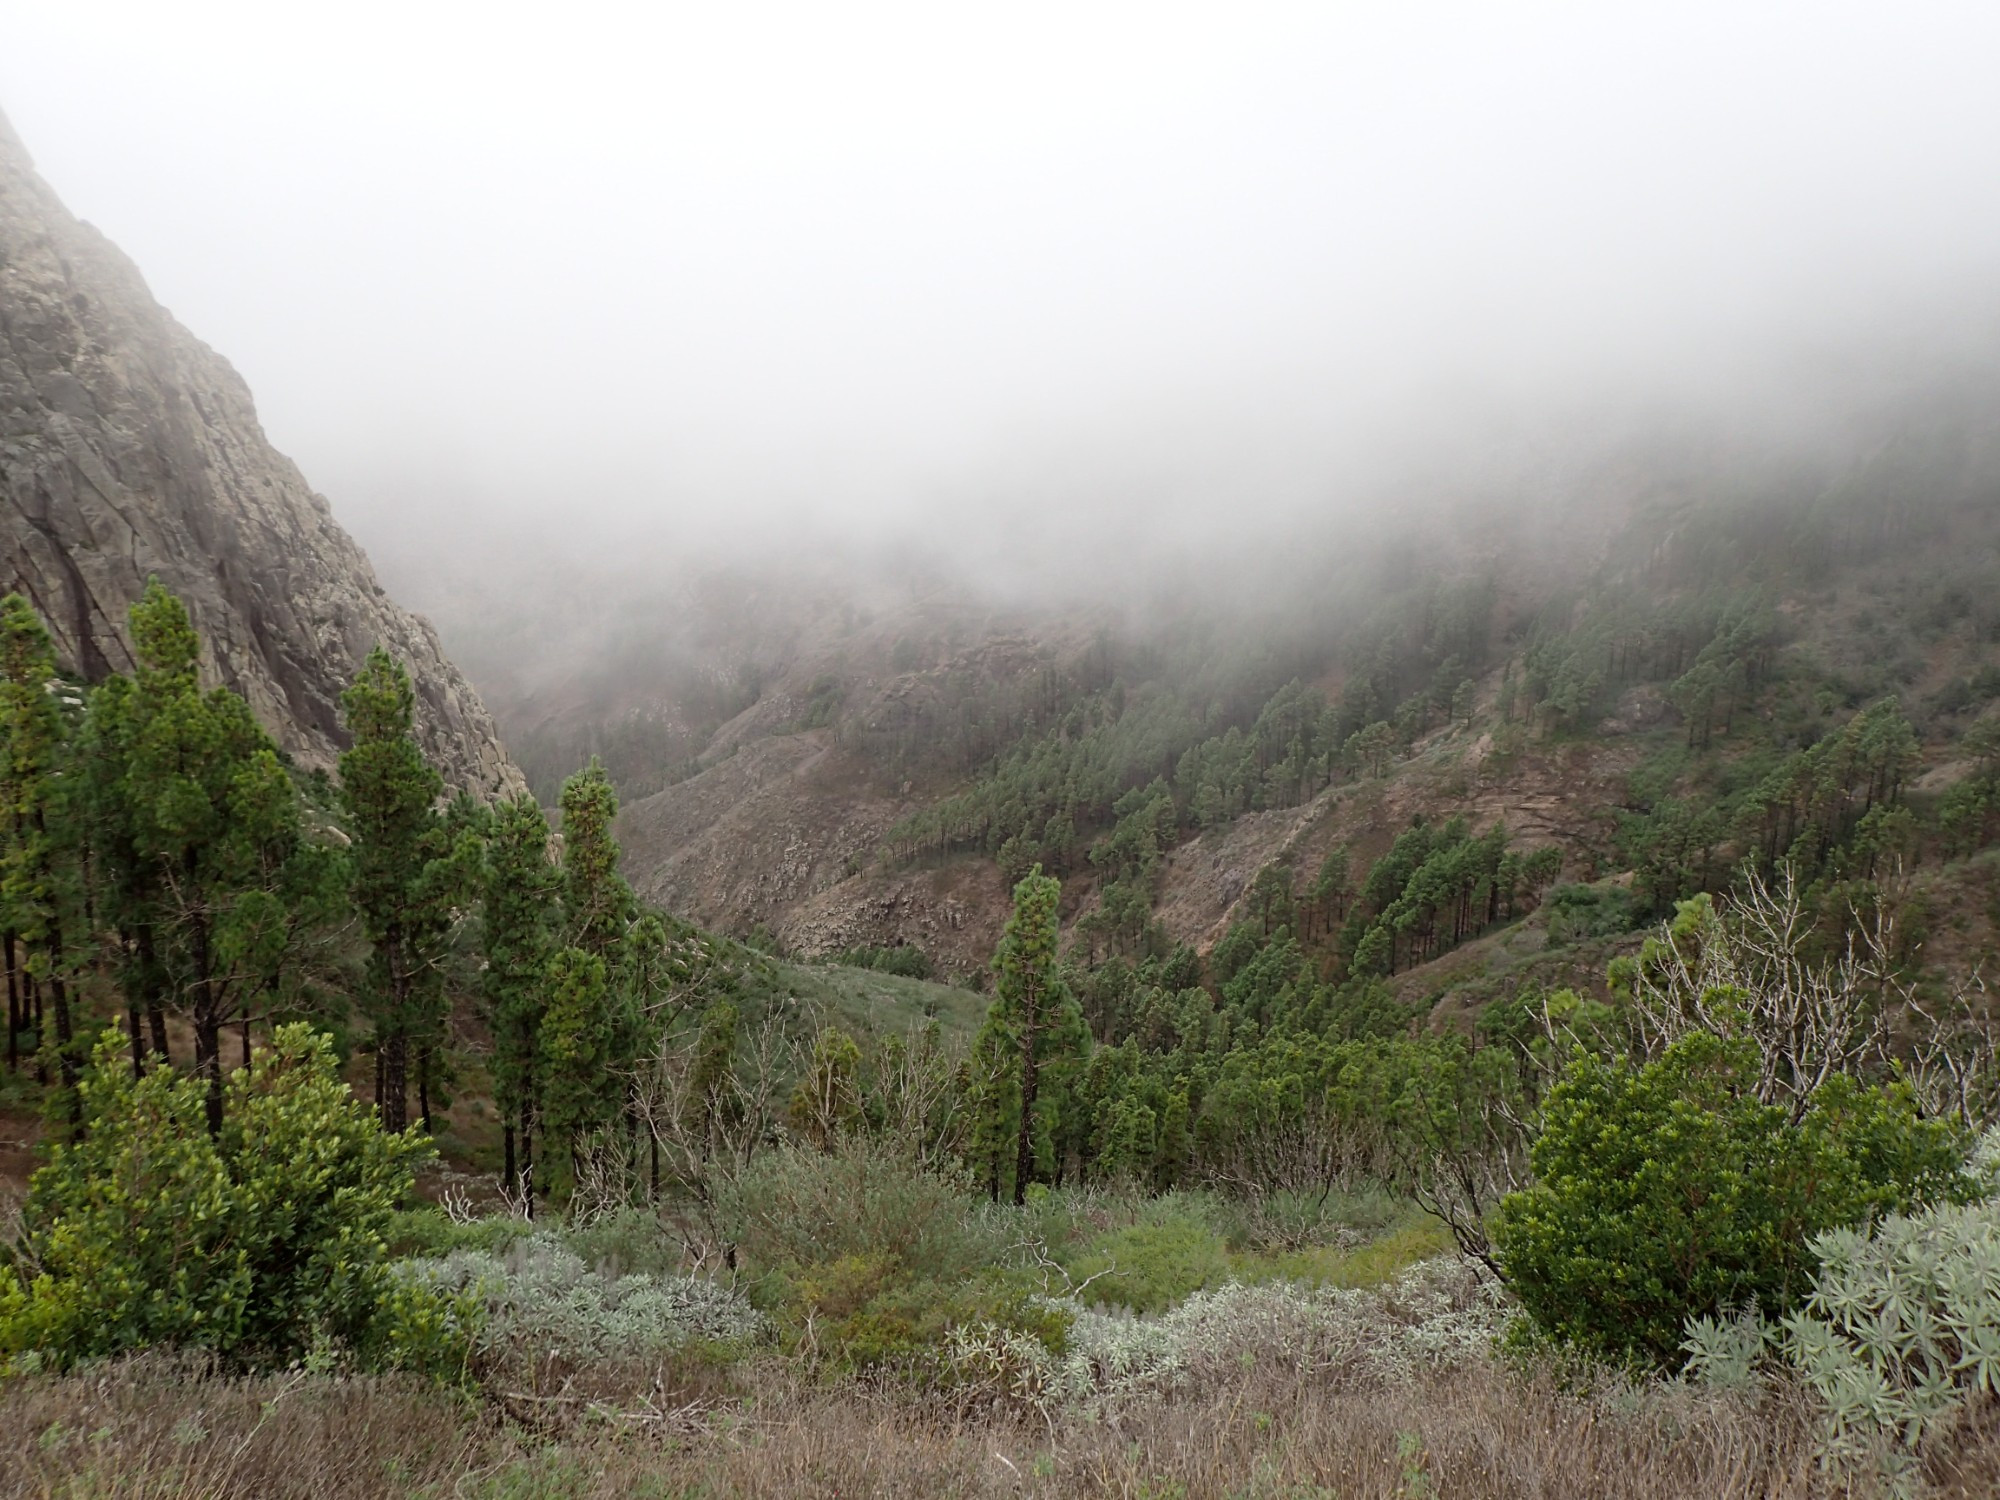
(1093, 292)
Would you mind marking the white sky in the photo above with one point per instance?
(711, 264)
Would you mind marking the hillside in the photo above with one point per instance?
(1664, 625)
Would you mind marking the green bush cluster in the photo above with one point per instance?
(797, 1208)
(905, 959)
(539, 1298)
(1172, 1252)
(264, 1243)
(1667, 1191)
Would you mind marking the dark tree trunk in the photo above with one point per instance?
(394, 1102)
(65, 1027)
(208, 1020)
(14, 1016)
(1024, 1149)
(156, 1015)
(528, 1153)
(34, 993)
(138, 1042)
(424, 1089)
(507, 1156)
(246, 1039)
(208, 1063)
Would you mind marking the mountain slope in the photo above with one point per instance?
(1713, 612)
(129, 449)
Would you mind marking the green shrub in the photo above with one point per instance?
(1577, 912)
(1668, 1191)
(627, 1241)
(260, 1244)
(904, 959)
(428, 1230)
(908, 1325)
(797, 1208)
(1151, 1265)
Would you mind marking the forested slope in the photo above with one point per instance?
(1680, 658)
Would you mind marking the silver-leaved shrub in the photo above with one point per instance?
(1901, 1332)
(541, 1298)
(1438, 1313)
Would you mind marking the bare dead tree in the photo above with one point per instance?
(1743, 971)
(920, 1089)
(1954, 1062)
(705, 1125)
(1309, 1154)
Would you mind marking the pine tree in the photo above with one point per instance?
(578, 1093)
(125, 884)
(407, 881)
(519, 887)
(598, 919)
(1035, 1010)
(231, 893)
(597, 903)
(993, 1097)
(38, 886)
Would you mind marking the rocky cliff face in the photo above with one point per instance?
(128, 448)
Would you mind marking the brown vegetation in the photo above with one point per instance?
(155, 1428)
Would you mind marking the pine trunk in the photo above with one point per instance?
(208, 1063)
(14, 1017)
(1024, 1150)
(394, 1102)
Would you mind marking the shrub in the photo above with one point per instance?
(259, 1244)
(1901, 1332)
(909, 1326)
(795, 1208)
(1153, 1264)
(428, 1230)
(625, 1240)
(1435, 1315)
(1668, 1191)
(1575, 913)
(540, 1296)
(903, 959)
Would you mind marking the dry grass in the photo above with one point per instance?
(169, 1432)
(160, 1429)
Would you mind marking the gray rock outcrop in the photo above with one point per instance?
(128, 448)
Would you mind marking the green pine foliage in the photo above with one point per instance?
(576, 1096)
(1033, 1043)
(518, 886)
(410, 877)
(40, 831)
(222, 897)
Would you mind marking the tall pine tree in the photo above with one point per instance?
(223, 888)
(1035, 1012)
(520, 885)
(38, 883)
(406, 881)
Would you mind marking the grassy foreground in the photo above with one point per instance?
(158, 1430)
